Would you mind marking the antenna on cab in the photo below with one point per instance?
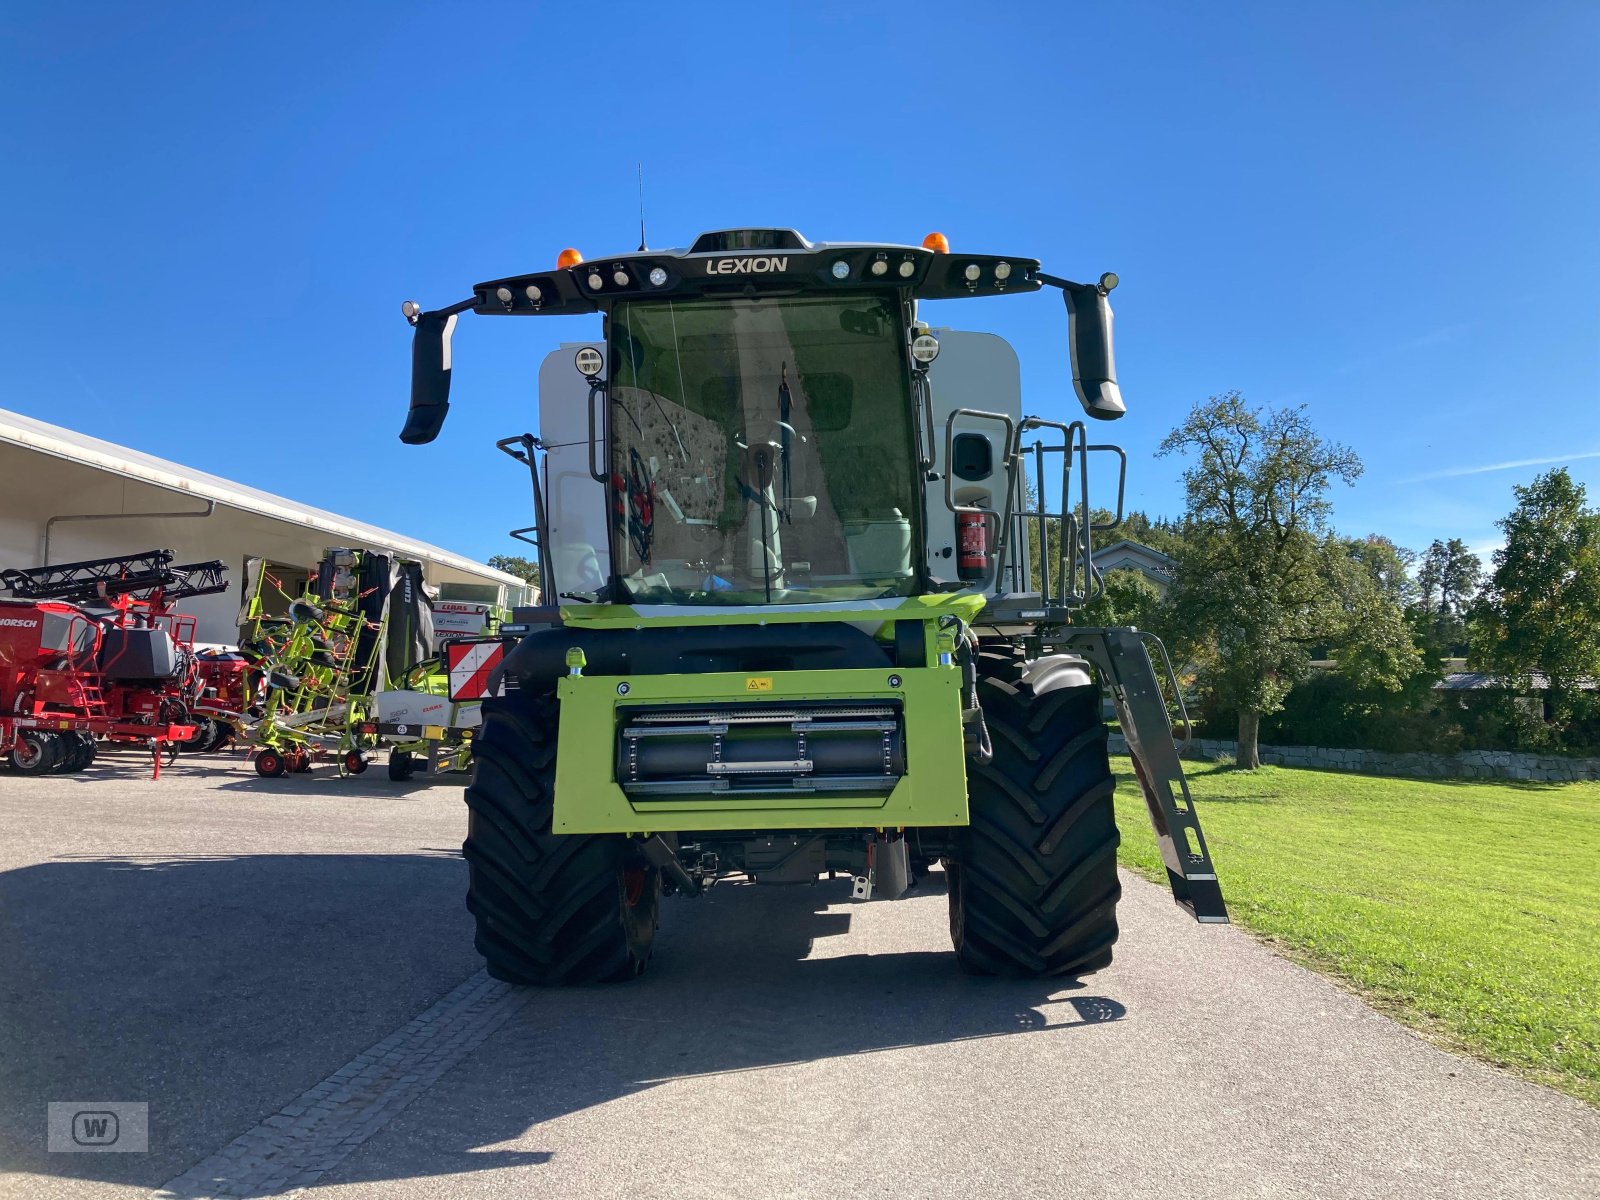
(640, 167)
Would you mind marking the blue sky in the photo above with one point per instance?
(1386, 212)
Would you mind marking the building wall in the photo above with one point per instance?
(35, 487)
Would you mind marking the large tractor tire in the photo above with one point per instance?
(36, 752)
(551, 909)
(1033, 883)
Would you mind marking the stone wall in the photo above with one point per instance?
(1469, 764)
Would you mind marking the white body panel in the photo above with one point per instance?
(574, 502)
(414, 710)
(980, 371)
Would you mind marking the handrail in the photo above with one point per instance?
(1177, 692)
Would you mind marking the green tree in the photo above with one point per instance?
(1258, 581)
(1448, 577)
(513, 564)
(1540, 610)
(1387, 565)
(1371, 640)
(1129, 599)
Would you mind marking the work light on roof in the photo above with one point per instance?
(658, 277)
(1002, 270)
(841, 269)
(533, 292)
(595, 281)
(621, 278)
(880, 266)
(1108, 281)
(972, 272)
(412, 310)
(503, 294)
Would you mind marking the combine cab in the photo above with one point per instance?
(814, 574)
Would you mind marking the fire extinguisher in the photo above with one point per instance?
(972, 545)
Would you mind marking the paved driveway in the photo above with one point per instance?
(283, 970)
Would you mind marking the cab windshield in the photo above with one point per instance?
(762, 451)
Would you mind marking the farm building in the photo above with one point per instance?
(65, 497)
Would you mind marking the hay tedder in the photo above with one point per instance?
(817, 575)
(93, 651)
(346, 668)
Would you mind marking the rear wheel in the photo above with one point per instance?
(354, 762)
(35, 752)
(550, 908)
(401, 765)
(78, 751)
(1033, 883)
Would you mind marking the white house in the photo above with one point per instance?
(1127, 555)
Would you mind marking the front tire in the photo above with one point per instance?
(35, 752)
(1033, 882)
(551, 909)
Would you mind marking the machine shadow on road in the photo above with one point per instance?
(744, 979)
(218, 989)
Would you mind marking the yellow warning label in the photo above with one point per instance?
(758, 684)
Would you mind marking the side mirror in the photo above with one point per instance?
(1094, 371)
(430, 377)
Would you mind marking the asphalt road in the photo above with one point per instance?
(220, 946)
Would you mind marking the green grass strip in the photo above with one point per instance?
(1468, 910)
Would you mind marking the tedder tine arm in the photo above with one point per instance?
(1125, 667)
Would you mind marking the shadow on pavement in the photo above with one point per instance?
(219, 989)
(214, 988)
(731, 990)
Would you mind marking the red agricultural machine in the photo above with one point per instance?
(93, 650)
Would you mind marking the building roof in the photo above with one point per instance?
(1482, 681)
(1130, 555)
(18, 430)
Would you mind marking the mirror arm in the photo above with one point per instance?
(1094, 372)
(430, 370)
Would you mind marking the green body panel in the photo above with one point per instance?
(933, 791)
(965, 605)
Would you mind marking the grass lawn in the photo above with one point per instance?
(1470, 910)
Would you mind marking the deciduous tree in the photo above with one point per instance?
(513, 564)
(1258, 579)
(1541, 608)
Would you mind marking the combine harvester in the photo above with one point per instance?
(817, 575)
(93, 651)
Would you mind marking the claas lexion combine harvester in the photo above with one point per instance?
(93, 651)
(812, 614)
